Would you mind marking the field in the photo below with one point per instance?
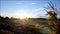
(24, 26)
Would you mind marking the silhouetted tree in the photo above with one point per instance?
(6, 24)
(6, 17)
(1, 17)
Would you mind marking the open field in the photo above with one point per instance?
(25, 26)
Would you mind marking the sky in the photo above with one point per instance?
(32, 8)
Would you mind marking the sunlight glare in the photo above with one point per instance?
(24, 15)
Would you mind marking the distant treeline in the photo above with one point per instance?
(1, 17)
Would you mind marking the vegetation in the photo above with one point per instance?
(18, 26)
(52, 21)
(6, 25)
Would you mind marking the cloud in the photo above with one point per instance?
(19, 3)
(33, 3)
(39, 9)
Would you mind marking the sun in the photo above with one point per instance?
(24, 15)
